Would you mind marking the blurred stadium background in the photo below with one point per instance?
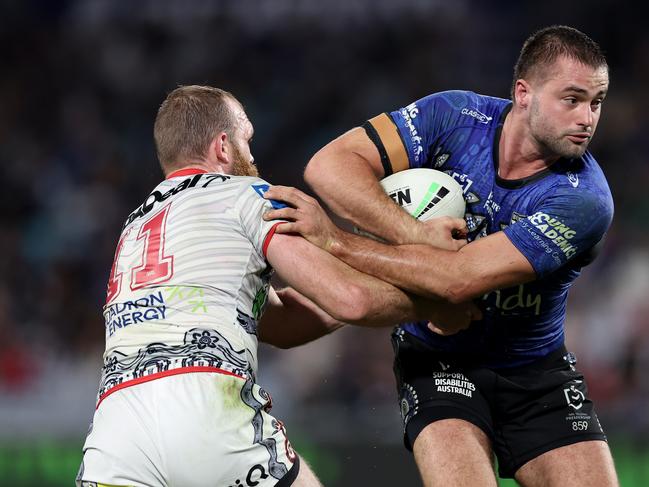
(80, 85)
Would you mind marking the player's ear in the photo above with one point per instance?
(522, 93)
(219, 151)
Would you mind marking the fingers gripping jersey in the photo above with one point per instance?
(189, 280)
(554, 218)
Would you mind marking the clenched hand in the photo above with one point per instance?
(450, 318)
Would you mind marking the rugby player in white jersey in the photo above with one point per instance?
(178, 403)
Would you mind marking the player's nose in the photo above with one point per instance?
(586, 116)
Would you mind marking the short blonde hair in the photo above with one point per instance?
(187, 122)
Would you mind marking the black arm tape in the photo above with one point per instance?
(374, 137)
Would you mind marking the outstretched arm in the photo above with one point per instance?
(348, 295)
(292, 319)
(490, 263)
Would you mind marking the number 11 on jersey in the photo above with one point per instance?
(156, 267)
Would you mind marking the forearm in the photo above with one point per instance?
(387, 305)
(489, 263)
(341, 291)
(391, 305)
(419, 269)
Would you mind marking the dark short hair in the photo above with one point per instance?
(544, 47)
(187, 122)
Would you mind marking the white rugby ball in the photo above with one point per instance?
(424, 193)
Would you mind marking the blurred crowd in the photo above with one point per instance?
(80, 86)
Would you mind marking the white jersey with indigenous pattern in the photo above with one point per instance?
(189, 280)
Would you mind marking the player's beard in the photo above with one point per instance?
(241, 166)
(547, 135)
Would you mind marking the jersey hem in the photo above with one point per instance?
(166, 373)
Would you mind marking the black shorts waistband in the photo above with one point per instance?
(468, 359)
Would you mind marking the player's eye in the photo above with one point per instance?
(571, 100)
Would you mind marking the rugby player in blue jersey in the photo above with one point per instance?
(538, 206)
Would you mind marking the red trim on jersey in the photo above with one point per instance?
(269, 236)
(166, 373)
(188, 171)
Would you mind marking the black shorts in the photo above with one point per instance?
(525, 411)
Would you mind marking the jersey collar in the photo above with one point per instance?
(188, 171)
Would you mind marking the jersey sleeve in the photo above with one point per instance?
(250, 206)
(564, 225)
(406, 137)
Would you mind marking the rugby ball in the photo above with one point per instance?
(424, 193)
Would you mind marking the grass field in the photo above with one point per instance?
(54, 463)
